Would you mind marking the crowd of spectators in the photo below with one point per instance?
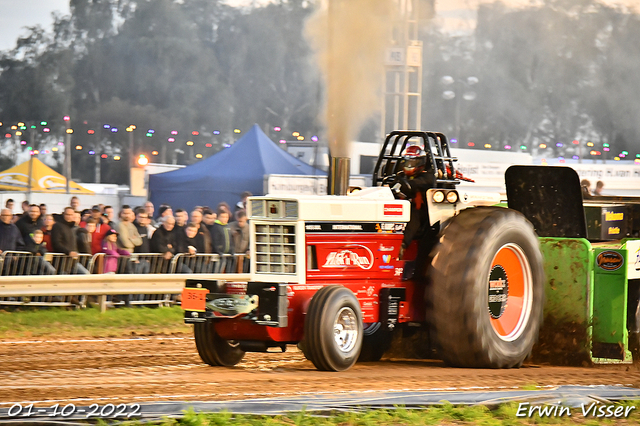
(76, 231)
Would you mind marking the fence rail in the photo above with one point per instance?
(138, 279)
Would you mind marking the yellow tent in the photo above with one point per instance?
(43, 179)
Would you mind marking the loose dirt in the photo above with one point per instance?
(146, 369)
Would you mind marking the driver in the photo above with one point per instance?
(411, 183)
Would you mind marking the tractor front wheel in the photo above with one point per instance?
(333, 329)
(213, 349)
(486, 289)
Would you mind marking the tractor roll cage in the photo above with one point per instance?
(436, 147)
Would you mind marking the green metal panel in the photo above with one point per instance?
(564, 336)
(610, 336)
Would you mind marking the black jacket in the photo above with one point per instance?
(197, 242)
(83, 240)
(27, 226)
(145, 247)
(10, 237)
(222, 238)
(63, 239)
(163, 241)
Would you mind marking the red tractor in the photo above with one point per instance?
(327, 274)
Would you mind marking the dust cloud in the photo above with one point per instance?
(350, 38)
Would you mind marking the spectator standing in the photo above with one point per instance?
(102, 228)
(164, 211)
(128, 238)
(585, 185)
(240, 232)
(29, 223)
(142, 225)
(47, 225)
(193, 241)
(85, 236)
(163, 240)
(196, 218)
(38, 249)
(599, 188)
(209, 218)
(75, 203)
(25, 211)
(112, 251)
(222, 239)
(10, 237)
(110, 215)
(182, 217)
(63, 239)
(149, 209)
(242, 204)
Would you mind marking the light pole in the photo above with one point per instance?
(67, 152)
(468, 95)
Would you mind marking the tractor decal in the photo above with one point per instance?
(609, 260)
(358, 256)
(498, 291)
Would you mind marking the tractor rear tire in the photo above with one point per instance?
(486, 289)
(376, 340)
(333, 329)
(213, 349)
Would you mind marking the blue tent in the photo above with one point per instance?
(225, 175)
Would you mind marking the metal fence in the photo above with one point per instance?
(16, 263)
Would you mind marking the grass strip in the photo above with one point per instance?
(90, 322)
(446, 414)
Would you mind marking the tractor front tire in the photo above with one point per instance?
(333, 329)
(213, 349)
(485, 287)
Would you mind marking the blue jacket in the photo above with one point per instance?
(10, 237)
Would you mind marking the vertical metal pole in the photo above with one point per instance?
(30, 178)
(67, 156)
(98, 166)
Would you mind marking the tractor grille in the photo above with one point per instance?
(276, 249)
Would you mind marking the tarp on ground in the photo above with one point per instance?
(43, 179)
(225, 175)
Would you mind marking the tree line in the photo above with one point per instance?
(559, 71)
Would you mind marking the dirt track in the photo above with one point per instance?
(168, 368)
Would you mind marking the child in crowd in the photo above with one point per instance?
(38, 248)
(111, 251)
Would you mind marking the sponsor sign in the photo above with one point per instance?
(372, 227)
(614, 222)
(392, 210)
(609, 260)
(354, 256)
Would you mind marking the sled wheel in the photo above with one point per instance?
(333, 329)
(213, 349)
(376, 340)
(486, 284)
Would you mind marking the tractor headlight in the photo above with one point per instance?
(452, 197)
(438, 197)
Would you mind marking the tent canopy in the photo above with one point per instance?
(225, 175)
(43, 179)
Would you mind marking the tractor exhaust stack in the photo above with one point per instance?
(339, 176)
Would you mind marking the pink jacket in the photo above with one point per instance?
(112, 252)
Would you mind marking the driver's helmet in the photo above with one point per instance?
(414, 160)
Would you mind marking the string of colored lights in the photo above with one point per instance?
(19, 128)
